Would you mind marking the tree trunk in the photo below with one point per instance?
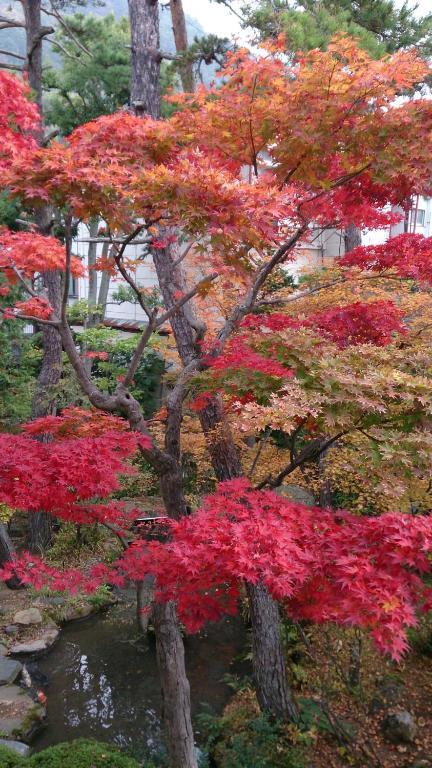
(145, 599)
(272, 688)
(40, 524)
(7, 553)
(352, 238)
(44, 400)
(34, 37)
(92, 274)
(325, 491)
(181, 43)
(175, 687)
(145, 99)
(145, 81)
(104, 284)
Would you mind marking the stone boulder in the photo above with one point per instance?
(20, 716)
(74, 612)
(16, 746)
(28, 617)
(39, 645)
(9, 670)
(297, 493)
(11, 630)
(399, 727)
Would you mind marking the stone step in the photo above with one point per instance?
(10, 669)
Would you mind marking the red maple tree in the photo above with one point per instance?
(327, 143)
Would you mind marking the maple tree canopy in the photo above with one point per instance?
(331, 142)
(327, 142)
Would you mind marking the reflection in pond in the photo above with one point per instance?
(104, 682)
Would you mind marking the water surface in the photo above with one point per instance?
(104, 682)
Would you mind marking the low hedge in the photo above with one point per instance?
(81, 753)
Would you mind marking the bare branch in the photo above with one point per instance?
(130, 281)
(299, 294)
(11, 53)
(42, 32)
(311, 452)
(117, 533)
(38, 320)
(127, 240)
(250, 298)
(66, 27)
(24, 283)
(175, 411)
(14, 67)
(51, 135)
(229, 5)
(64, 51)
(24, 223)
(114, 240)
(139, 350)
(261, 445)
(8, 22)
(184, 254)
(67, 272)
(187, 297)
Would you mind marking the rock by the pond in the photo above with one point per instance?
(16, 746)
(12, 629)
(75, 612)
(53, 602)
(56, 601)
(20, 716)
(9, 670)
(399, 726)
(45, 640)
(297, 493)
(28, 617)
(3, 650)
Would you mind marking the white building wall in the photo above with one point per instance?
(144, 276)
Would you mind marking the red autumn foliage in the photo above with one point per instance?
(95, 355)
(18, 118)
(323, 566)
(373, 322)
(37, 306)
(359, 323)
(331, 124)
(239, 355)
(70, 475)
(408, 255)
(76, 422)
(30, 253)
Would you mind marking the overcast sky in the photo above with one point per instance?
(214, 18)
(217, 19)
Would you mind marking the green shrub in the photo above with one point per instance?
(9, 759)
(244, 737)
(420, 637)
(81, 753)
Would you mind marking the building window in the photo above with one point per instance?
(73, 288)
(418, 217)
